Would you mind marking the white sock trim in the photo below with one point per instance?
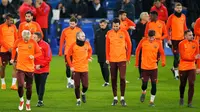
(3, 81)
(152, 98)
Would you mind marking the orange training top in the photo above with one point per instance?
(126, 24)
(8, 35)
(80, 56)
(149, 54)
(118, 46)
(159, 27)
(68, 37)
(32, 27)
(25, 49)
(188, 50)
(177, 26)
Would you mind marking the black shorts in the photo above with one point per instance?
(175, 44)
(5, 58)
(152, 74)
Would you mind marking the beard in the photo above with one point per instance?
(177, 14)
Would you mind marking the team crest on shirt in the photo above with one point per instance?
(155, 46)
(193, 47)
(161, 10)
(120, 36)
(29, 46)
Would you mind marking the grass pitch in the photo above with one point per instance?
(60, 99)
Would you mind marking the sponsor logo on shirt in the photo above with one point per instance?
(30, 46)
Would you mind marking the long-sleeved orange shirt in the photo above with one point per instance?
(68, 37)
(126, 24)
(8, 35)
(118, 46)
(197, 30)
(25, 49)
(149, 54)
(188, 50)
(159, 27)
(80, 56)
(32, 27)
(176, 26)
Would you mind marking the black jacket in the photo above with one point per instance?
(138, 33)
(92, 13)
(80, 8)
(100, 44)
(8, 9)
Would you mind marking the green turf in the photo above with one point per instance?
(59, 99)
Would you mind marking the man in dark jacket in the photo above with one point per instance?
(96, 10)
(78, 9)
(6, 7)
(100, 42)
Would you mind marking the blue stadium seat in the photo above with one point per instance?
(110, 4)
(54, 3)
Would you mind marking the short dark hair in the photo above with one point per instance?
(39, 35)
(154, 13)
(151, 33)
(29, 12)
(116, 20)
(187, 31)
(8, 16)
(121, 12)
(178, 4)
(103, 21)
(73, 19)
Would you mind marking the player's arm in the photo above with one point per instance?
(107, 47)
(62, 40)
(68, 56)
(14, 49)
(166, 14)
(197, 27)
(20, 30)
(137, 53)
(47, 55)
(43, 10)
(89, 50)
(164, 30)
(185, 25)
(16, 33)
(168, 27)
(39, 29)
(128, 43)
(38, 52)
(130, 23)
(162, 54)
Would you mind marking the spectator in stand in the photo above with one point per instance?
(16, 3)
(146, 5)
(63, 10)
(161, 10)
(26, 6)
(50, 15)
(127, 6)
(96, 10)
(78, 9)
(6, 7)
(42, 14)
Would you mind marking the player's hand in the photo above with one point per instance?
(16, 49)
(90, 59)
(31, 57)
(198, 71)
(72, 69)
(79, 16)
(37, 67)
(60, 53)
(132, 27)
(11, 61)
(169, 42)
(107, 62)
(10, 49)
(128, 62)
(197, 56)
(163, 64)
